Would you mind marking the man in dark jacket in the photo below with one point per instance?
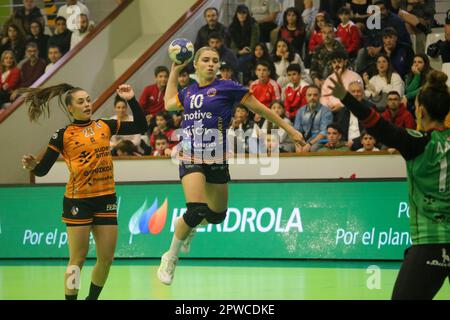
(212, 26)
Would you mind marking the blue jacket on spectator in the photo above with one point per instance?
(322, 118)
(402, 58)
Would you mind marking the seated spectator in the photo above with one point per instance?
(62, 36)
(348, 32)
(339, 62)
(294, 94)
(312, 121)
(68, 10)
(126, 148)
(37, 36)
(320, 61)
(226, 55)
(350, 125)
(121, 108)
(400, 54)
(213, 25)
(241, 129)
(383, 82)
(332, 7)
(397, 113)
(33, 68)
(282, 57)
(152, 98)
(10, 76)
(334, 139)
(23, 16)
(316, 38)
(359, 15)
(309, 16)
(226, 71)
(81, 32)
(264, 88)
(15, 42)
(177, 118)
(244, 35)
(441, 48)
(293, 30)
(162, 148)
(162, 127)
(54, 54)
(285, 142)
(265, 13)
(260, 53)
(184, 80)
(416, 79)
(368, 143)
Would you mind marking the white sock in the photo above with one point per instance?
(175, 246)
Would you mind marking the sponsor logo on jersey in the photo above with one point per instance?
(74, 210)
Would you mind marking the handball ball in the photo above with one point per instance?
(181, 50)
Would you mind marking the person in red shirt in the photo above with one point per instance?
(9, 78)
(316, 38)
(397, 113)
(152, 98)
(294, 95)
(265, 89)
(162, 127)
(348, 32)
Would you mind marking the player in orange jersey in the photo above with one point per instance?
(90, 200)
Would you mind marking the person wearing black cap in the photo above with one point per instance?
(226, 71)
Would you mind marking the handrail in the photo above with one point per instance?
(68, 56)
(147, 54)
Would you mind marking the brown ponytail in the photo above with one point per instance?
(38, 99)
(435, 95)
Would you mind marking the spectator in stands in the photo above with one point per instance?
(312, 121)
(23, 16)
(334, 139)
(293, 30)
(320, 62)
(359, 15)
(332, 7)
(265, 13)
(441, 48)
(348, 32)
(384, 81)
(226, 71)
(10, 76)
(121, 110)
(152, 98)
(244, 35)
(397, 113)
(62, 36)
(365, 61)
(283, 55)
(15, 42)
(162, 148)
(37, 36)
(416, 79)
(400, 54)
(126, 148)
(294, 95)
(216, 41)
(309, 16)
(264, 88)
(368, 143)
(350, 125)
(54, 54)
(285, 143)
(339, 61)
(241, 129)
(33, 68)
(213, 25)
(79, 34)
(184, 80)
(71, 11)
(177, 118)
(162, 127)
(316, 38)
(260, 53)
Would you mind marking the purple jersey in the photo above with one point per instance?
(207, 116)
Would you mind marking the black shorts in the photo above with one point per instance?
(423, 272)
(214, 173)
(90, 211)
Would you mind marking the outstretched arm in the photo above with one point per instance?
(42, 167)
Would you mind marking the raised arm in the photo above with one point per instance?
(171, 102)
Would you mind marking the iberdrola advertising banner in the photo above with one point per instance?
(290, 220)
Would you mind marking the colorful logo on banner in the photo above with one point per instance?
(151, 220)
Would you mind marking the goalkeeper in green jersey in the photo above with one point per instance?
(427, 263)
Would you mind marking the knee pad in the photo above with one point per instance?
(216, 217)
(196, 212)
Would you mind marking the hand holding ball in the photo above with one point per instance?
(181, 50)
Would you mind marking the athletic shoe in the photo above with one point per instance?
(166, 269)
(186, 246)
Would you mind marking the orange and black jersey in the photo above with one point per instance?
(85, 146)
